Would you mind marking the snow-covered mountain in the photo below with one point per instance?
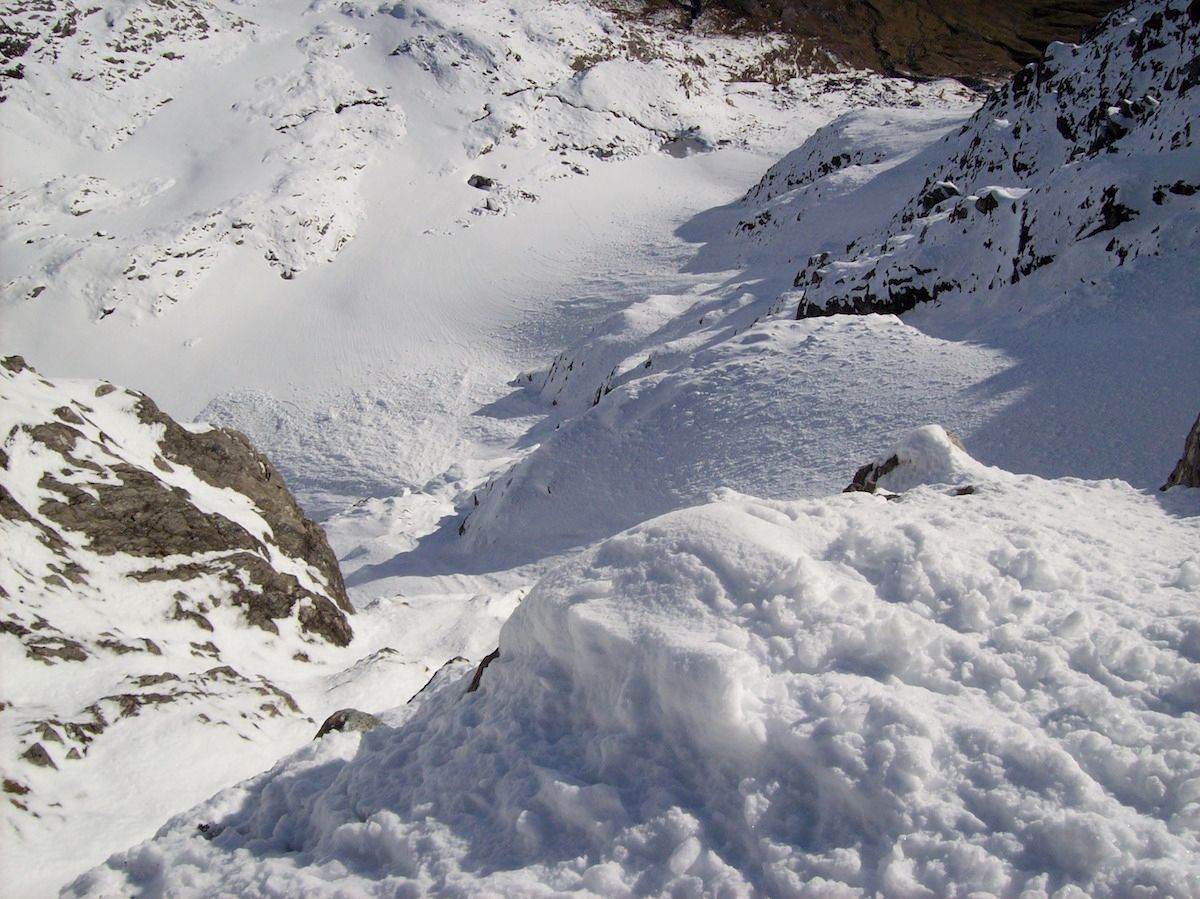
(1023, 239)
(345, 227)
(279, 180)
(158, 583)
(1083, 162)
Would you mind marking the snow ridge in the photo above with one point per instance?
(938, 695)
(1082, 163)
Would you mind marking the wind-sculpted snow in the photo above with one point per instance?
(989, 690)
(730, 404)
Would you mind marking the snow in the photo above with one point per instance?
(369, 211)
(937, 695)
(747, 412)
(798, 694)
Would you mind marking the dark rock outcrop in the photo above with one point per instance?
(959, 38)
(1187, 469)
(225, 458)
(866, 479)
(348, 720)
(121, 505)
(164, 569)
(477, 678)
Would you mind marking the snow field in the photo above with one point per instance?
(938, 695)
(755, 410)
(993, 692)
(307, 199)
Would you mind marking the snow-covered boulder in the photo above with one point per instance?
(154, 580)
(927, 455)
(947, 694)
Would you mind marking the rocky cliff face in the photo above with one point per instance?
(1187, 470)
(926, 37)
(1083, 163)
(149, 571)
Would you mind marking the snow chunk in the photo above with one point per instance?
(993, 692)
(928, 455)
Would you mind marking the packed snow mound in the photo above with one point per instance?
(154, 580)
(749, 406)
(1080, 165)
(927, 455)
(942, 694)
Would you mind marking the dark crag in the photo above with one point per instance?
(970, 39)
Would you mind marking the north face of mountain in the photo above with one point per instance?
(967, 39)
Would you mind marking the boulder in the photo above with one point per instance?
(348, 720)
(1187, 469)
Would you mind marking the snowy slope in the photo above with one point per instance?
(987, 685)
(1083, 364)
(1082, 164)
(169, 619)
(293, 244)
(163, 601)
(306, 198)
(262, 211)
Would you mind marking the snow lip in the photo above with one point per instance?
(948, 694)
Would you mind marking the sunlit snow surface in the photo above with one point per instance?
(945, 693)
(707, 714)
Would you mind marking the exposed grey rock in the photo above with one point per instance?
(1187, 469)
(37, 755)
(226, 458)
(938, 194)
(478, 677)
(866, 479)
(14, 787)
(108, 503)
(133, 510)
(348, 720)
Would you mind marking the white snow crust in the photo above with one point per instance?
(992, 693)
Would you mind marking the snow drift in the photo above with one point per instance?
(991, 690)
